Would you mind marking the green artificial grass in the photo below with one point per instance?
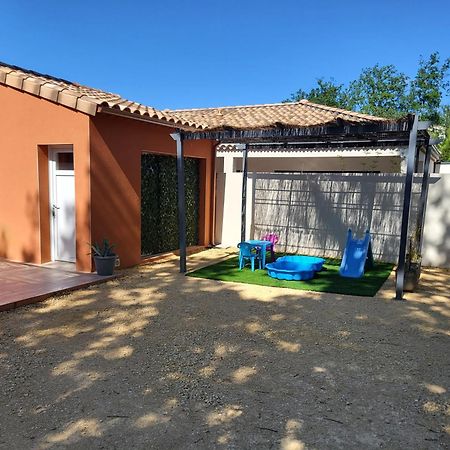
(327, 280)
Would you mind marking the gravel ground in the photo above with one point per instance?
(159, 360)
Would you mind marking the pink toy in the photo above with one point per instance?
(272, 237)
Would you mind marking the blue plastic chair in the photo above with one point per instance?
(248, 252)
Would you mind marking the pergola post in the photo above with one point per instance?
(244, 149)
(400, 280)
(424, 194)
(178, 137)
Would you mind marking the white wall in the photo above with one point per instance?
(444, 167)
(312, 211)
(228, 208)
(388, 164)
(346, 159)
(436, 246)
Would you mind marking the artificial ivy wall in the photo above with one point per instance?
(159, 214)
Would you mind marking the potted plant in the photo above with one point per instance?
(104, 257)
(412, 275)
(413, 269)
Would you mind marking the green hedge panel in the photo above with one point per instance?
(159, 213)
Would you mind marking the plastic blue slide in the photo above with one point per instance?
(357, 256)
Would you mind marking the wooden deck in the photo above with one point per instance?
(22, 284)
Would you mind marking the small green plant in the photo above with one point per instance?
(417, 255)
(414, 256)
(103, 249)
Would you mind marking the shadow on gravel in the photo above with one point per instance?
(160, 360)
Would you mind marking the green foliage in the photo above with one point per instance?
(103, 249)
(429, 86)
(380, 91)
(445, 146)
(445, 116)
(325, 93)
(385, 91)
(159, 212)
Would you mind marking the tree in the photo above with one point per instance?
(380, 91)
(428, 88)
(445, 145)
(325, 93)
(445, 116)
(386, 92)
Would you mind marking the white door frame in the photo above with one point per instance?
(52, 152)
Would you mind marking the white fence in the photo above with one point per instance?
(312, 212)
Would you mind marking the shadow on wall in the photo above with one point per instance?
(220, 203)
(312, 212)
(115, 207)
(30, 246)
(3, 245)
(436, 248)
(26, 235)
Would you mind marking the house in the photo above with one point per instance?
(71, 163)
(78, 164)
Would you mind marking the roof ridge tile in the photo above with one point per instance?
(233, 107)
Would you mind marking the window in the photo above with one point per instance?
(64, 161)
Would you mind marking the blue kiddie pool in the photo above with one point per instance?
(295, 268)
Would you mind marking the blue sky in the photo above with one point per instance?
(214, 53)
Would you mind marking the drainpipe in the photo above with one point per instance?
(244, 149)
(178, 138)
(214, 193)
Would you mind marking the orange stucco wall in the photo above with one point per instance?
(116, 147)
(107, 158)
(27, 126)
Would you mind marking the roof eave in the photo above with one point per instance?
(145, 118)
(48, 91)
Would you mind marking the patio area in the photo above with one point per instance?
(156, 359)
(22, 284)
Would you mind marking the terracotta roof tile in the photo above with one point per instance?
(89, 100)
(298, 114)
(81, 98)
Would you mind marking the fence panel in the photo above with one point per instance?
(312, 212)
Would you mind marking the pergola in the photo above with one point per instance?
(407, 132)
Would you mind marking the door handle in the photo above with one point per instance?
(54, 208)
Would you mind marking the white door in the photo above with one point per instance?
(62, 205)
